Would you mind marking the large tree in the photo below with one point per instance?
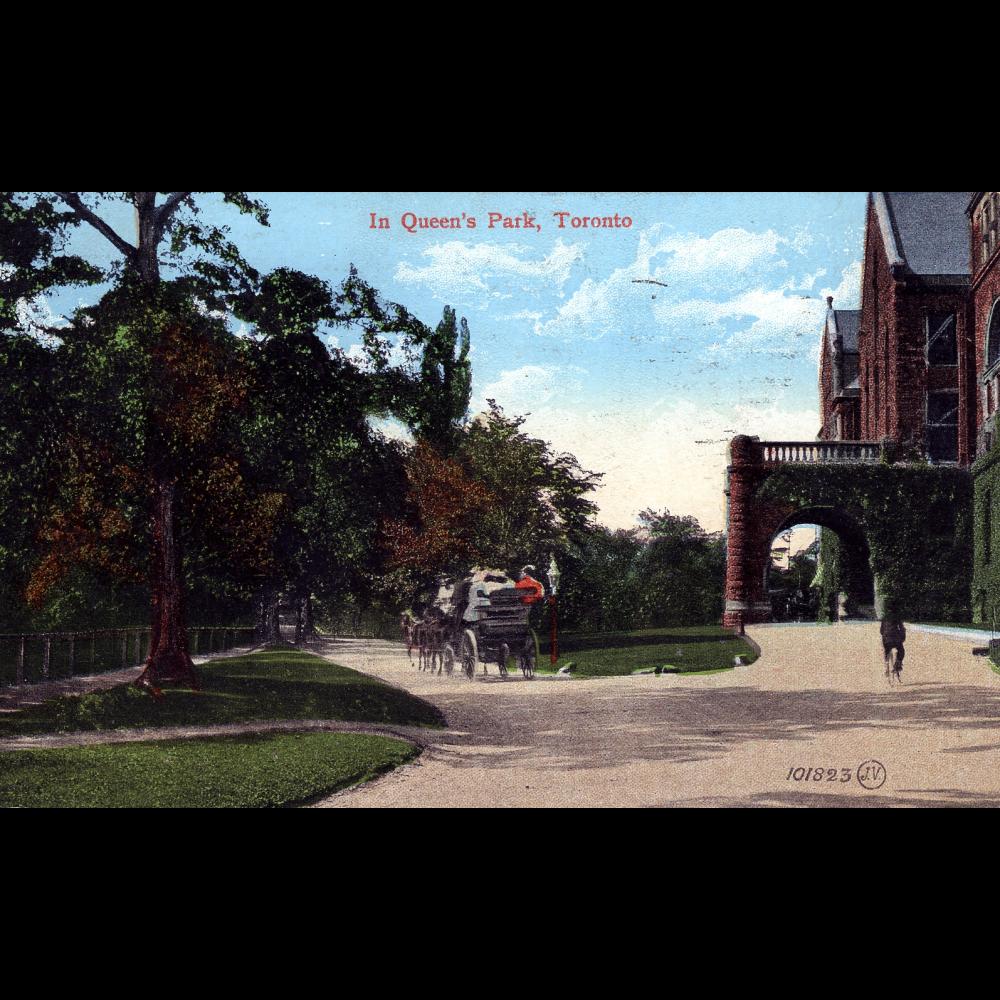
(502, 499)
(177, 386)
(540, 498)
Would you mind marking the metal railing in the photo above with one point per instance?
(366, 624)
(34, 657)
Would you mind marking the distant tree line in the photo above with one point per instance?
(667, 572)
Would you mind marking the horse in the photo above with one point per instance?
(408, 627)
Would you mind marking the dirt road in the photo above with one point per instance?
(817, 699)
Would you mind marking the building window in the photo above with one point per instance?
(989, 223)
(942, 426)
(993, 336)
(987, 525)
(942, 343)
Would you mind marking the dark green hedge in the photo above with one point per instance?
(986, 574)
(829, 576)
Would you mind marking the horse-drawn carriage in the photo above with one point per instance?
(482, 618)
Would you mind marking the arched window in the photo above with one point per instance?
(993, 337)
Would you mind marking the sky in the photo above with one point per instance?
(640, 348)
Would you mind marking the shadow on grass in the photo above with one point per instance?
(270, 685)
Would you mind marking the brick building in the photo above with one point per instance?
(984, 228)
(984, 216)
(918, 366)
(916, 362)
(839, 390)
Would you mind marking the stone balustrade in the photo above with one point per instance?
(814, 452)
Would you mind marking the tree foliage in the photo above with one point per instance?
(539, 498)
(444, 386)
(667, 572)
(503, 499)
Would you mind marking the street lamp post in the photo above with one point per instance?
(553, 574)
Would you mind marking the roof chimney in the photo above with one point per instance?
(829, 301)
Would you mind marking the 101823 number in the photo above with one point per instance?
(841, 774)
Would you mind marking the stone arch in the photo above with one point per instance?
(857, 577)
(753, 523)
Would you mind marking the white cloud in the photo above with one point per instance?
(523, 390)
(697, 271)
(727, 249)
(779, 323)
(457, 269)
(847, 295)
(807, 282)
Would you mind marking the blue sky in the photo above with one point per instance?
(643, 382)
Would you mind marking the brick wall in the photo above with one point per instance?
(985, 292)
(878, 302)
(827, 418)
(894, 375)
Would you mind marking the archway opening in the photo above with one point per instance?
(818, 568)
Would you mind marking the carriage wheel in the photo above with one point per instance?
(527, 658)
(469, 653)
(448, 655)
(504, 653)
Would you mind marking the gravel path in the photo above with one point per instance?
(817, 699)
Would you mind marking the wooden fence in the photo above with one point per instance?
(33, 657)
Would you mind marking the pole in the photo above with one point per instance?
(553, 635)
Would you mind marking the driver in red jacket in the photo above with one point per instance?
(527, 582)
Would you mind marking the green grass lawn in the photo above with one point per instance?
(690, 649)
(280, 683)
(271, 770)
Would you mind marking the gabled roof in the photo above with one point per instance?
(845, 322)
(848, 323)
(928, 231)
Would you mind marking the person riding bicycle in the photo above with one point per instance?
(893, 633)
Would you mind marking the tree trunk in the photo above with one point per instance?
(299, 619)
(267, 616)
(307, 617)
(168, 661)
